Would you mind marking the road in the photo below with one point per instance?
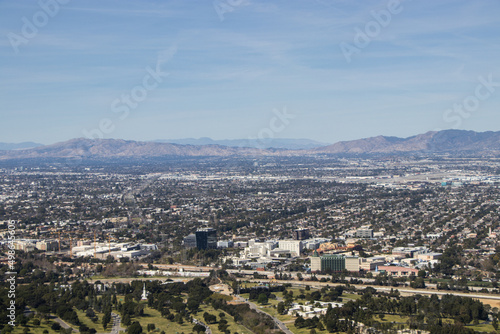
(383, 288)
(117, 320)
(430, 292)
(272, 273)
(208, 330)
(131, 279)
(278, 322)
(62, 323)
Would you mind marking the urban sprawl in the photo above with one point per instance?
(253, 245)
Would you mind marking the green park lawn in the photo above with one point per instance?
(391, 318)
(34, 329)
(233, 326)
(98, 325)
(152, 316)
(349, 296)
(487, 328)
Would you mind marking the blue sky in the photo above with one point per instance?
(228, 67)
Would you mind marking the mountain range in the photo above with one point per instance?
(447, 141)
(283, 143)
(18, 146)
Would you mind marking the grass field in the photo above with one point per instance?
(98, 325)
(233, 326)
(34, 329)
(487, 328)
(288, 320)
(348, 296)
(482, 328)
(392, 318)
(152, 316)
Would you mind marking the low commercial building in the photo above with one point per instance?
(149, 247)
(371, 263)
(364, 233)
(189, 241)
(311, 310)
(429, 256)
(225, 244)
(24, 245)
(409, 251)
(397, 271)
(47, 245)
(352, 263)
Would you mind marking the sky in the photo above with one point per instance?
(237, 69)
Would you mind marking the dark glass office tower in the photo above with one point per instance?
(206, 238)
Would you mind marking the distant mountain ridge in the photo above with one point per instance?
(119, 148)
(281, 143)
(18, 146)
(446, 141)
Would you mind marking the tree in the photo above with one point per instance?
(320, 326)
(209, 318)
(134, 328)
(281, 308)
(193, 305)
(106, 318)
(198, 329)
(126, 319)
(262, 299)
(91, 314)
(55, 326)
(23, 320)
(151, 327)
(419, 283)
(300, 322)
(139, 310)
(7, 329)
(223, 325)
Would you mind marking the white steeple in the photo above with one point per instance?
(144, 292)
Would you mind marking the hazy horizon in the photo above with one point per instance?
(259, 141)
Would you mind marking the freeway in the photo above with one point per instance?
(270, 273)
(431, 288)
(317, 284)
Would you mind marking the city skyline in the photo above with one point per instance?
(326, 71)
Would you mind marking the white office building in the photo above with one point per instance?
(294, 246)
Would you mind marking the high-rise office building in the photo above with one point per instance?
(206, 238)
(301, 234)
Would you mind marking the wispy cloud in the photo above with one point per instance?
(264, 55)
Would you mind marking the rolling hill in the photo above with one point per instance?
(447, 141)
